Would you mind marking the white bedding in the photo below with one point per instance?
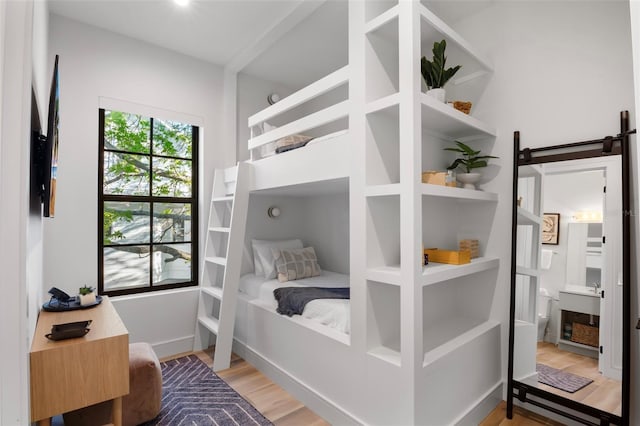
(334, 313)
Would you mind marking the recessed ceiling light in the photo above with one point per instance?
(182, 3)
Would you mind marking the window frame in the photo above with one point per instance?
(151, 199)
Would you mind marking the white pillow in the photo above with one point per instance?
(263, 259)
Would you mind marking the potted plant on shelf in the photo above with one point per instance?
(86, 295)
(434, 73)
(470, 159)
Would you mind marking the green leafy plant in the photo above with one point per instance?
(85, 289)
(434, 72)
(470, 159)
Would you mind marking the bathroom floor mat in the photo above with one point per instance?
(559, 379)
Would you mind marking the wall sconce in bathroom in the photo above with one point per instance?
(588, 216)
(273, 212)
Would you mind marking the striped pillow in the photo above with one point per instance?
(294, 264)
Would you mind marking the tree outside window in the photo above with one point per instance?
(148, 203)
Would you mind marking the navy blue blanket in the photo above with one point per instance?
(292, 300)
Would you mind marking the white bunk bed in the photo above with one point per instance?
(325, 157)
(445, 368)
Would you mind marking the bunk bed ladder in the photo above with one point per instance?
(222, 262)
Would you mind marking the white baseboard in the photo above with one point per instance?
(481, 409)
(325, 408)
(173, 346)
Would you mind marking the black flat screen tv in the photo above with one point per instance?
(47, 149)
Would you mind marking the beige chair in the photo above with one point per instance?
(145, 393)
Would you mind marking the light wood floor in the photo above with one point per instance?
(603, 393)
(270, 399)
(282, 409)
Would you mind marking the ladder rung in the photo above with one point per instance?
(210, 323)
(222, 199)
(219, 229)
(213, 291)
(217, 260)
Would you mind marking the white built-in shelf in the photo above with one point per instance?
(437, 272)
(215, 292)
(387, 354)
(442, 338)
(210, 323)
(521, 270)
(221, 229)
(457, 193)
(382, 190)
(217, 260)
(442, 119)
(436, 29)
(388, 104)
(530, 170)
(384, 274)
(525, 217)
(222, 199)
(384, 20)
(577, 345)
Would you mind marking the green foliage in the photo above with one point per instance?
(470, 159)
(434, 72)
(127, 168)
(111, 217)
(85, 289)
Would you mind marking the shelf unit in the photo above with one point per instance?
(529, 233)
(411, 308)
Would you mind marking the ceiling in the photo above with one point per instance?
(211, 30)
(219, 31)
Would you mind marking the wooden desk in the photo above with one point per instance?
(75, 373)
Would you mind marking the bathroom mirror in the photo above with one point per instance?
(570, 323)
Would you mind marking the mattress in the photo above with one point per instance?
(334, 313)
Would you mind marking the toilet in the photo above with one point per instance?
(544, 311)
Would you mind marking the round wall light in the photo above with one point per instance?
(273, 212)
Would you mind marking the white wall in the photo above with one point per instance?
(20, 224)
(320, 221)
(252, 95)
(563, 72)
(96, 64)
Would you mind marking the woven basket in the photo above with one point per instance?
(585, 334)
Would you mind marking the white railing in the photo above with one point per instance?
(316, 119)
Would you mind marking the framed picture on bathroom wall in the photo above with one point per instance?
(550, 228)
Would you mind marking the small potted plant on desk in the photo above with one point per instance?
(86, 295)
(469, 160)
(434, 73)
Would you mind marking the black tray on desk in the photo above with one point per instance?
(68, 330)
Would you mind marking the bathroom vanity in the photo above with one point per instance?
(579, 320)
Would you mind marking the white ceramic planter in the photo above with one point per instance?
(439, 94)
(468, 179)
(87, 299)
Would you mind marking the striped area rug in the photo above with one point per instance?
(559, 379)
(192, 394)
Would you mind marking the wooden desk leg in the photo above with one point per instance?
(116, 413)
(45, 422)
